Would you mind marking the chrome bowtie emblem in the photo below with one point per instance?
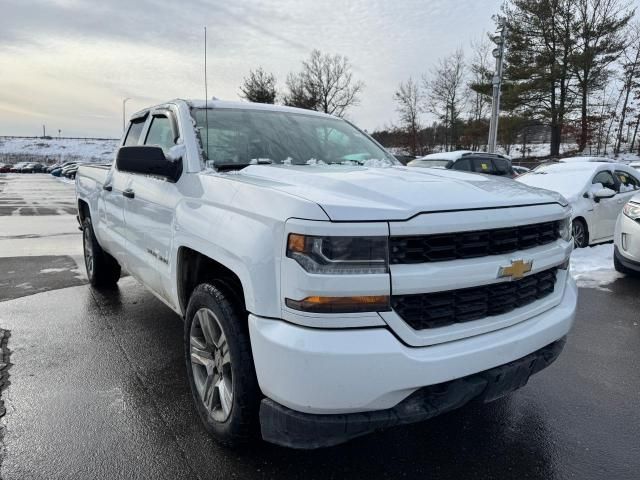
(516, 270)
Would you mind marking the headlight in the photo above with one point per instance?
(632, 210)
(339, 255)
(565, 229)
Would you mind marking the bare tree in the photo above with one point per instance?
(445, 94)
(259, 87)
(326, 84)
(481, 69)
(631, 68)
(600, 28)
(409, 101)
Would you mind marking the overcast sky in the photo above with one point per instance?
(69, 63)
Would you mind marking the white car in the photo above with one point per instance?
(467, 161)
(586, 159)
(520, 170)
(327, 291)
(626, 257)
(597, 191)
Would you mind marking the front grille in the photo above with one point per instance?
(439, 309)
(480, 243)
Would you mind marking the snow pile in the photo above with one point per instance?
(59, 149)
(592, 267)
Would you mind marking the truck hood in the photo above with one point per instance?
(349, 193)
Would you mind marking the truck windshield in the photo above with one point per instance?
(232, 138)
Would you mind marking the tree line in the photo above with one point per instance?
(571, 70)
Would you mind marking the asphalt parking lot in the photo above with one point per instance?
(97, 386)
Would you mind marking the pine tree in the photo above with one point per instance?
(259, 87)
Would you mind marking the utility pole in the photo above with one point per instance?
(124, 118)
(498, 54)
(44, 131)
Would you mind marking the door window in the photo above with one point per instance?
(160, 133)
(628, 182)
(483, 165)
(135, 129)
(462, 164)
(606, 179)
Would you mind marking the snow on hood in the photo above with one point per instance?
(394, 193)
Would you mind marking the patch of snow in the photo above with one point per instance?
(61, 149)
(287, 161)
(176, 153)
(592, 267)
(313, 161)
(53, 270)
(377, 163)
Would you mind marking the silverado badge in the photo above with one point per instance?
(516, 270)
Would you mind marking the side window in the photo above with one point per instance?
(483, 165)
(503, 167)
(135, 129)
(628, 182)
(462, 164)
(160, 133)
(606, 179)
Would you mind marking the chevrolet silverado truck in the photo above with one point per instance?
(326, 290)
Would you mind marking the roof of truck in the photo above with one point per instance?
(216, 103)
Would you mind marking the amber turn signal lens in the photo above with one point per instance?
(296, 243)
(373, 303)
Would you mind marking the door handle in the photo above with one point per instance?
(108, 188)
(129, 193)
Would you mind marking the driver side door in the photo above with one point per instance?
(605, 211)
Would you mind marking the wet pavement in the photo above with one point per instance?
(99, 390)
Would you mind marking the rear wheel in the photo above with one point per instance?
(580, 233)
(103, 270)
(220, 365)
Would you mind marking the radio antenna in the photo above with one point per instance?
(206, 93)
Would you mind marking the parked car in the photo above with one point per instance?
(5, 168)
(626, 257)
(50, 168)
(324, 300)
(56, 170)
(17, 168)
(32, 168)
(597, 191)
(468, 161)
(518, 170)
(70, 171)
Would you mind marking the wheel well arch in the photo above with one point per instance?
(194, 268)
(83, 210)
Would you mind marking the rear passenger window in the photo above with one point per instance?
(160, 133)
(483, 165)
(135, 129)
(463, 164)
(628, 182)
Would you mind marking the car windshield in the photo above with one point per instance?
(239, 137)
(419, 162)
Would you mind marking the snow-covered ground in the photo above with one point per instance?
(59, 149)
(593, 267)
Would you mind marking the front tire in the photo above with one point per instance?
(220, 365)
(103, 271)
(580, 233)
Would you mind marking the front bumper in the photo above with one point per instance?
(336, 371)
(289, 428)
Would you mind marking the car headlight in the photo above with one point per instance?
(339, 255)
(565, 229)
(632, 210)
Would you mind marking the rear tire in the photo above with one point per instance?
(580, 233)
(220, 365)
(103, 270)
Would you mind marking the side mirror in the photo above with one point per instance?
(603, 193)
(148, 160)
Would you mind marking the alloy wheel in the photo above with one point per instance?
(211, 364)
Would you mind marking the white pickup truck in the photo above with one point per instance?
(326, 290)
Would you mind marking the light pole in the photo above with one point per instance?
(498, 54)
(124, 119)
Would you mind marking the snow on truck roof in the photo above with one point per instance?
(197, 103)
